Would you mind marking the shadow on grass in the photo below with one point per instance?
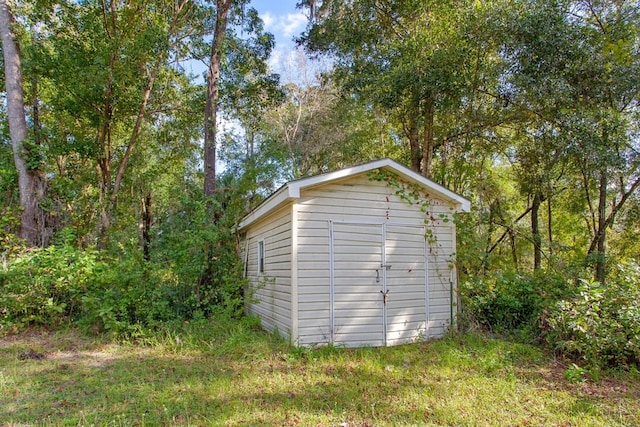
(455, 381)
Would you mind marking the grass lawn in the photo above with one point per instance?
(232, 374)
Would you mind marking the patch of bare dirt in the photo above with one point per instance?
(605, 388)
(68, 348)
(31, 354)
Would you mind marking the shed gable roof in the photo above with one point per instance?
(291, 190)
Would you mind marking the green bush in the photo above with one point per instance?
(601, 325)
(45, 286)
(10, 243)
(202, 258)
(127, 296)
(194, 272)
(65, 284)
(510, 303)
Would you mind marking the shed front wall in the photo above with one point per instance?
(359, 200)
(269, 294)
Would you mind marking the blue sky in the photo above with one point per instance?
(284, 21)
(281, 18)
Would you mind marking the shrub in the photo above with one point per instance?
(510, 303)
(601, 325)
(128, 295)
(203, 259)
(65, 284)
(194, 272)
(44, 286)
(10, 243)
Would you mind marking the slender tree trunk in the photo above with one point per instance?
(104, 162)
(428, 135)
(491, 227)
(30, 183)
(599, 239)
(147, 220)
(508, 231)
(110, 193)
(142, 110)
(602, 228)
(213, 83)
(549, 224)
(134, 134)
(514, 249)
(535, 231)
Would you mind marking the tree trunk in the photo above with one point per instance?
(535, 231)
(30, 183)
(147, 220)
(213, 82)
(514, 249)
(414, 144)
(133, 139)
(491, 226)
(602, 228)
(428, 135)
(104, 162)
(210, 130)
(506, 232)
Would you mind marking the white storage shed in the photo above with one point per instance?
(364, 256)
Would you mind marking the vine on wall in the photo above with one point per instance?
(413, 194)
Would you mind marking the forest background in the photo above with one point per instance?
(116, 214)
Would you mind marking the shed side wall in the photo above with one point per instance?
(269, 293)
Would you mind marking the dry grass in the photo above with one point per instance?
(232, 375)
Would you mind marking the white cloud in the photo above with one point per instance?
(268, 20)
(292, 24)
(276, 59)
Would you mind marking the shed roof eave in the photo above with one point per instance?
(283, 195)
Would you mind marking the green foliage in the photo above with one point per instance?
(10, 243)
(126, 298)
(194, 273)
(46, 286)
(575, 374)
(511, 303)
(601, 325)
(201, 255)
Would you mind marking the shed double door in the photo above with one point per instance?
(379, 284)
